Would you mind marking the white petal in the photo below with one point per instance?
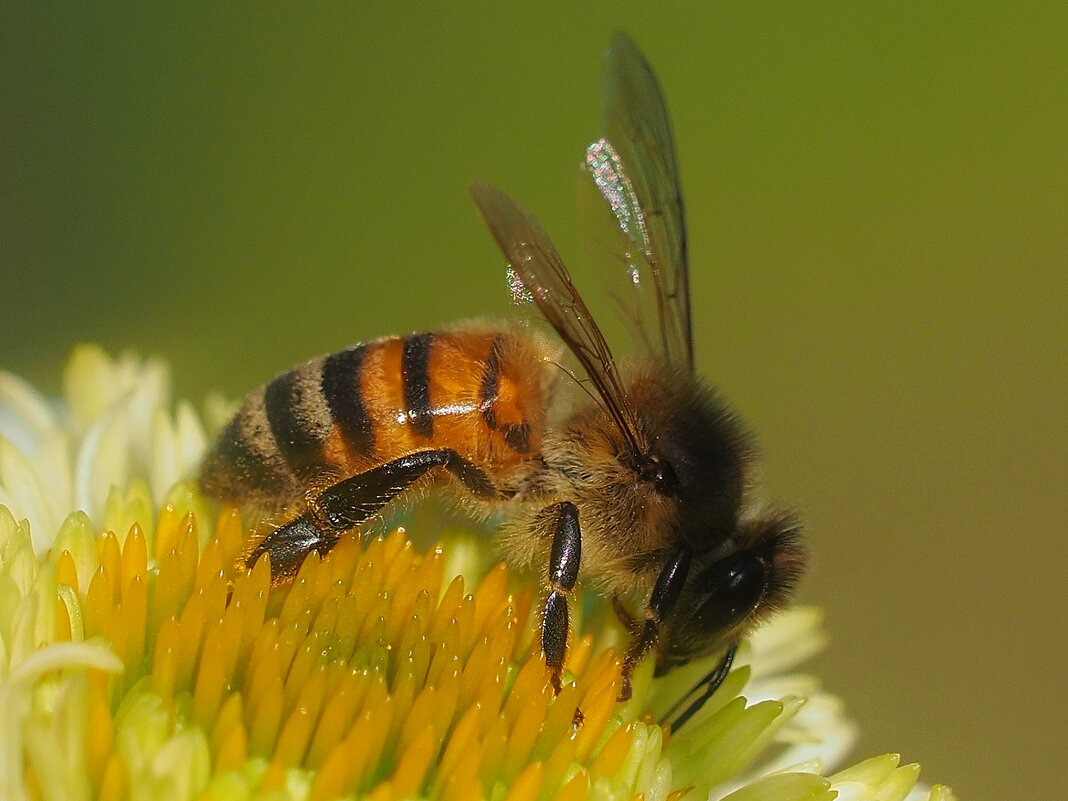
(25, 415)
(66, 655)
(788, 639)
(836, 738)
(23, 492)
(54, 470)
(89, 385)
(164, 464)
(192, 441)
(102, 461)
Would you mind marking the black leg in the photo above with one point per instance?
(288, 546)
(710, 682)
(661, 601)
(349, 503)
(563, 572)
(626, 617)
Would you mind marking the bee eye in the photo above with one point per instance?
(661, 474)
(729, 590)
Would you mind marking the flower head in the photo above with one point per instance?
(137, 662)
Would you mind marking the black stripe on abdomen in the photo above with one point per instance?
(342, 372)
(298, 420)
(516, 435)
(415, 372)
(490, 388)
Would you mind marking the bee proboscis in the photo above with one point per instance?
(644, 484)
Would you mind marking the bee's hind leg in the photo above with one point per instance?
(661, 601)
(348, 503)
(288, 546)
(563, 573)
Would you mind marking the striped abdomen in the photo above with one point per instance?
(479, 390)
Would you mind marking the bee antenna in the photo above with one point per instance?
(596, 397)
(711, 681)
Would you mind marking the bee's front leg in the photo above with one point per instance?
(662, 600)
(563, 573)
(710, 682)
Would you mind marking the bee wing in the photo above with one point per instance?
(634, 170)
(540, 272)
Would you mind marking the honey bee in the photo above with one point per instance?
(643, 485)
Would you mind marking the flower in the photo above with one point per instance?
(137, 662)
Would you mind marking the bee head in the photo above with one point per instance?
(728, 593)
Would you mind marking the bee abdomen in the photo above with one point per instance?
(516, 435)
(480, 392)
(275, 443)
(343, 393)
(300, 418)
(415, 377)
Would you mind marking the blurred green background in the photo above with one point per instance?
(879, 224)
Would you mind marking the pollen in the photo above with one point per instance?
(376, 673)
(142, 662)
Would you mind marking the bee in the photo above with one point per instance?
(644, 485)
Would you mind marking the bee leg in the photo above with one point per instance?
(349, 503)
(626, 617)
(661, 601)
(710, 682)
(288, 546)
(563, 572)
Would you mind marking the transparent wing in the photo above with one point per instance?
(634, 170)
(538, 271)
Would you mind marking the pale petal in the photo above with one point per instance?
(24, 493)
(165, 462)
(54, 466)
(102, 462)
(66, 655)
(89, 384)
(789, 638)
(192, 441)
(26, 416)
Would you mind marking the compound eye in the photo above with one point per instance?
(729, 590)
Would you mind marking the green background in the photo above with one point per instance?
(879, 225)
